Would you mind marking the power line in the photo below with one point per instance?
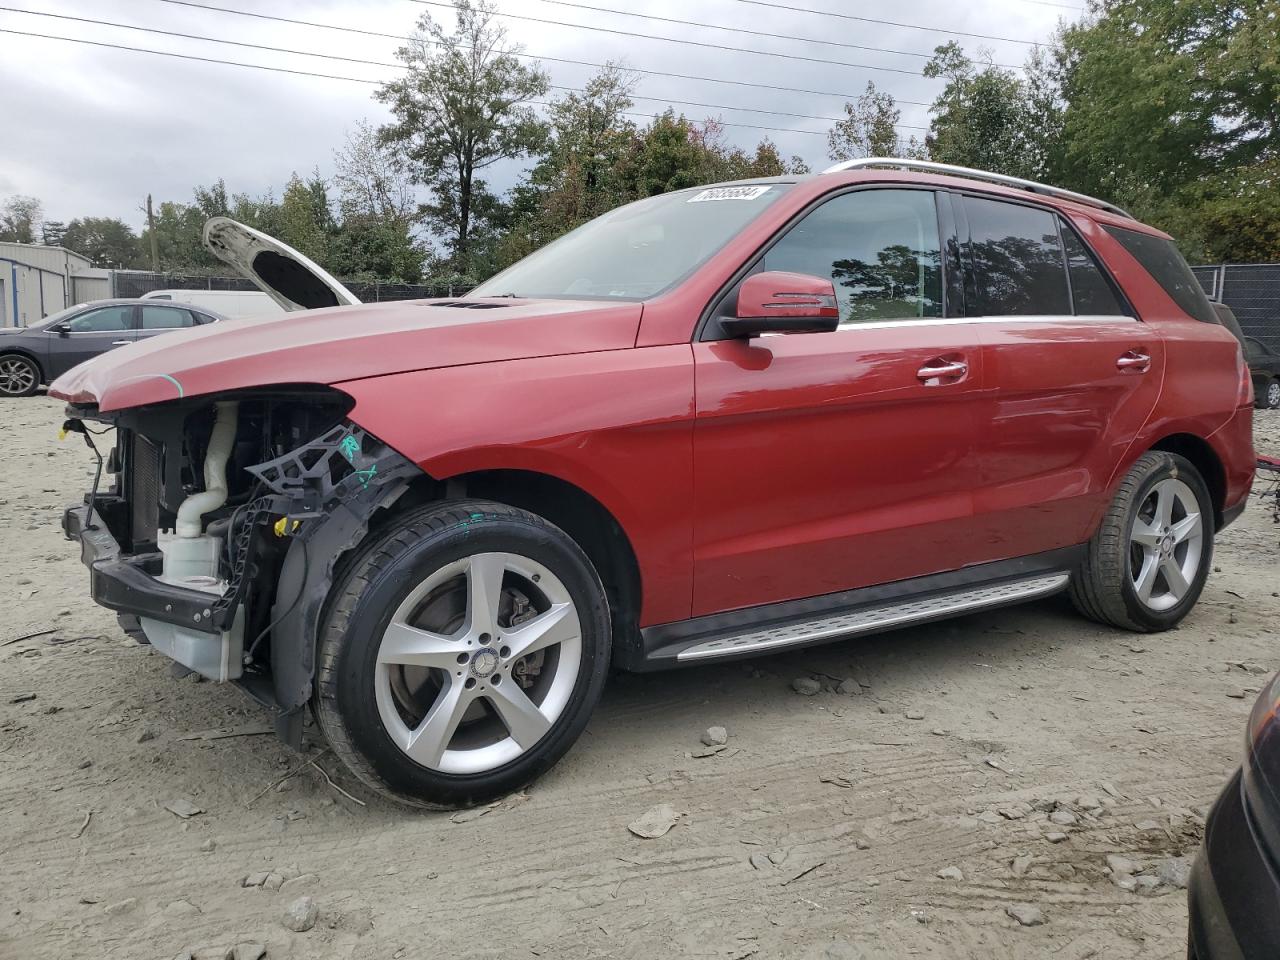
(887, 23)
(755, 33)
(632, 34)
(400, 66)
(330, 76)
(531, 56)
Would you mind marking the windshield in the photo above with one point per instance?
(638, 250)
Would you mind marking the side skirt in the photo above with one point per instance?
(771, 627)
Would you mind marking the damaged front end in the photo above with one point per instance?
(220, 523)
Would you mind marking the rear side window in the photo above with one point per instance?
(1016, 252)
(1166, 266)
(1090, 288)
(164, 318)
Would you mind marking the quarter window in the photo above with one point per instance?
(164, 318)
(1165, 264)
(880, 249)
(1091, 291)
(1016, 253)
(104, 319)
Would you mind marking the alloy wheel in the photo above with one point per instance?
(1166, 542)
(17, 376)
(478, 662)
(1273, 395)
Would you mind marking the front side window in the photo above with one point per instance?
(104, 319)
(1162, 260)
(164, 318)
(1016, 252)
(880, 249)
(636, 251)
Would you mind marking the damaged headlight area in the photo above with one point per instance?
(217, 522)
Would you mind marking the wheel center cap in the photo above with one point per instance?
(484, 662)
(1166, 545)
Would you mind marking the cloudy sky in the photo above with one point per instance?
(91, 130)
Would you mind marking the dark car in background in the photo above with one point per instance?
(1263, 361)
(1264, 364)
(42, 352)
(1234, 897)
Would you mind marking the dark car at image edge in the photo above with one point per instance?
(1234, 895)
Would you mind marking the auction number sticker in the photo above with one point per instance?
(728, 193)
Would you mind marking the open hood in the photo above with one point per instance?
(285, 275)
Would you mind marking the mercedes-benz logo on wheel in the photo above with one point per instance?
(484, 662)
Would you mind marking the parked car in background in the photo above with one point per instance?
(232, 304)
(711, 424)
(1264, 362)
(1234, 896)
(42, 352)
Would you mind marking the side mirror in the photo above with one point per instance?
(780, 302)
(61, 329)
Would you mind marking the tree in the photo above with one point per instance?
(868, 129)
(371, 179)
(52, 233)
(986, 117)
(462, 107)
(106, 241)
(305, 219)
(20, 219)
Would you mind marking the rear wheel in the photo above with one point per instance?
(1146, 565)
(462, 654)
(19, 376)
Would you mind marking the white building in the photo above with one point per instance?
(36, 281)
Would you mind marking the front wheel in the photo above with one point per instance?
(19, 376)
(462, 654)
(1268, 394)
(1146, 565)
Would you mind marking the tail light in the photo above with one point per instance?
(1244, 397)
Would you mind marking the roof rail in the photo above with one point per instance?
(929, 166)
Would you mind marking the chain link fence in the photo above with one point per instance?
(1252, 291)
(134, 283)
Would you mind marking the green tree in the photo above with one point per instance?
(462, 106)
(106, 241)
(305, 219)
(868, 128)
(20, 219)
(985, 117)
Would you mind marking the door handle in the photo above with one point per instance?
(121, 343)
(939, 371)
(1134, 360)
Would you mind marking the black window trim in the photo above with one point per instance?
(1117, 291)
(704, 332)
(135, 319)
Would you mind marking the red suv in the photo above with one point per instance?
(711, 424)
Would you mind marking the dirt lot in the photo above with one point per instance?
(1132, 736)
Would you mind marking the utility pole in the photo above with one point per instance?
(151, 232)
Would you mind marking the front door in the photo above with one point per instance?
(1073, 377)
(829, 461)
(88, 334)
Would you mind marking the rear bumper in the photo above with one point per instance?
(1233, 444)
(1234, 896)
(127, 584)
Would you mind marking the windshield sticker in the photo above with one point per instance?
(728, 193)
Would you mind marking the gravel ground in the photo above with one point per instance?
(958, 797)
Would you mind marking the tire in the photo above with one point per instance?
(442, 719)
(1131, 546)
(19, 375)
(1267, 396)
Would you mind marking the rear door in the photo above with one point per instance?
(829, 461)
(88, 334)
(1073, 375)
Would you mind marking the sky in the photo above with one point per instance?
(90, 131)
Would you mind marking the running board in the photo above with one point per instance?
(883, 616)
